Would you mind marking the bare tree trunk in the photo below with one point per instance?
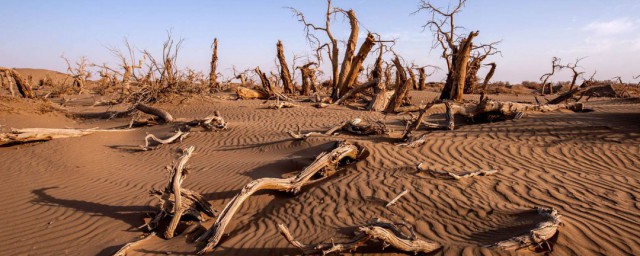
(401, 90)
(24, 88)
(213, 76)
(285, 75)
(356, 65)
(462, 59)
(487, 78)
(348, 54)
(423, 79)
(306, 86)
(380, 99)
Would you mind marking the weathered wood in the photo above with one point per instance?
(24, 88)
(381, 96)
(538, 236)
(450, 115)
(248, 94)
(21, 136)
(402, 89)
(213, 75)
(176, 202)
(415, 124)
(164, 115)
(126, 247)
(325, 161)
(357, 89)
(376, 230)
(356, 64)
(285, 74)
(179, 135)
(395, 199)
(487, 78)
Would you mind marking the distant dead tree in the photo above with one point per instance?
(213, 76)
(308, 78)
(285, 74)
(128, 65)
(574, 68)
(342, 76)
(456, 49)
(475, 63)
(79, 72)
(13, 77)
(422, 76)
(555, 65)
(487, 78)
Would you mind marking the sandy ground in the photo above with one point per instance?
(87, 195)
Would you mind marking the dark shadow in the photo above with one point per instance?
(131, 215)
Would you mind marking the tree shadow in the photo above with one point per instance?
(128, 214)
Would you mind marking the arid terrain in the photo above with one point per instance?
(88, 195)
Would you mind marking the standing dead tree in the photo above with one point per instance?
(79, 73)
(128, 64)
(213, 75)
(555, 65)
(308, 79)
(404, 84)
(285, 75)
(456, 50)
(342, 76)
(24, 88)
(475, 63)
(574, 68)
(487, 78)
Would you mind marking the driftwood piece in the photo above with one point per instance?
(20, 136)
(356, 126)
(126, 247)
(376, 230)
(178, 202)
(450, 116)
(415, 124)
(357, 89)
(325, 164)
(395, 199)
(471, 110)
(537, 236)
(164, 115)
(282, 104)
(248, 94)
(24, 88)
(454, 176)
(179, 135)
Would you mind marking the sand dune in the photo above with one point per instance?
(87, 195)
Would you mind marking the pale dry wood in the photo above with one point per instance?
(26, 135)
(389, 234)
(454, 176)
(285, 74)
(395, 199)
(126, 247)
(537, 236)
(248, 94)
(327, 161)
(164, 115)
(176, 202)
(179, 135)
(357, 89)
(24, 88)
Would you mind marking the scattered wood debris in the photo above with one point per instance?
(376, 230)
(179, 135)
(395, 199)
(326, 164)
(538, 236)
(454, 176)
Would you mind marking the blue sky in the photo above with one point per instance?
(36, 33)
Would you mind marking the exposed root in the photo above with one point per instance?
(455, 176)
(356, 126)
(179, 135)
(325, 164)
(125, 248)
(538, 236)
(178, 202)
(376, 230)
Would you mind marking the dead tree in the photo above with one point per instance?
(456, 50)
(574, 68)
(555, 65)
(381, 98)
(24, 88)
(285, 75)
(487, 78)
(327, 161)
(128, 65)
(400, 95)
(348, 71)
(308, 79)
(213, 75)
(78, 73)
(177, 202)
(169, 69)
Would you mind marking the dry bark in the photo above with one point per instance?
(376, 230)
(381, 96)
(176, 202)
(285, 75)
(213, 75)
(356, 65)
(21, 136)
(356, 90)
(125, 248)
(401, 92)
(328, 161)
(395, 199)
(415, 124)
(248, 94)
(536, 237)
(24, 88)
(487, 78)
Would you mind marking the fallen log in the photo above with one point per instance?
(125, 248)
(453, 175)
(326, 164)
(164, 115)
(179, 135)
(356, 126)
(177, 202)
(537, 236)
(376, 230)
(415, 124)
(248, 94)
(395, 199)
(357, 89)
(27, 135)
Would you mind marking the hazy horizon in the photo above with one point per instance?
(37, 33)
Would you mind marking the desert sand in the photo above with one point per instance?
(88, 195)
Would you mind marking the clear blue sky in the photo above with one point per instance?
(36, 33)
